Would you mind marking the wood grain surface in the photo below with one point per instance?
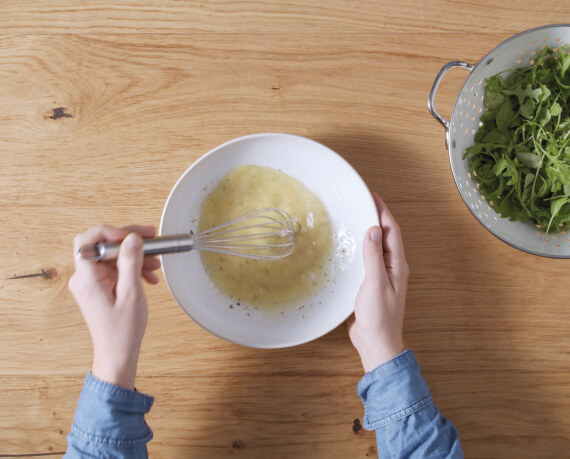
(104, 104)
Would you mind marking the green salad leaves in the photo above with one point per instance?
(521, 155)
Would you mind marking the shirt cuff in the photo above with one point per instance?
(393, 391)
(111, 415)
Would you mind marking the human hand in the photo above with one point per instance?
(111, 298)
(375, 329)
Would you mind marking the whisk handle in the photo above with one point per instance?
(151, 246)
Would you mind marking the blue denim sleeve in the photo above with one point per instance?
(399, 407)
(109, 422)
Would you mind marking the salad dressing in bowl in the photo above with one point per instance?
(269, 285)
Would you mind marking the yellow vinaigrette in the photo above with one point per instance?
(269, 284)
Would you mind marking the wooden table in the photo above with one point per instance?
(103, 105)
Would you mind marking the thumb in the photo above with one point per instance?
(374, 254)
(129, 265)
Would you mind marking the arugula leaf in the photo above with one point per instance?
(557, 205)
(521, 151)
(555, 208)
(555, 109)
(528, 108)
(527, 93)
(529, 159)
(543, 94)
(564, 61)
(528, 180)
(505, 116)
(543, 115)
(496, 137)
(494, 100)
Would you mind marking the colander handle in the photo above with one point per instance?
(431, 97)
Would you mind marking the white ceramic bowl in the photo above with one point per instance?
(351, 209)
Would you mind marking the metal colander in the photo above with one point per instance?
(517, 51)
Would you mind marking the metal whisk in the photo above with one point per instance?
(262, 234)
